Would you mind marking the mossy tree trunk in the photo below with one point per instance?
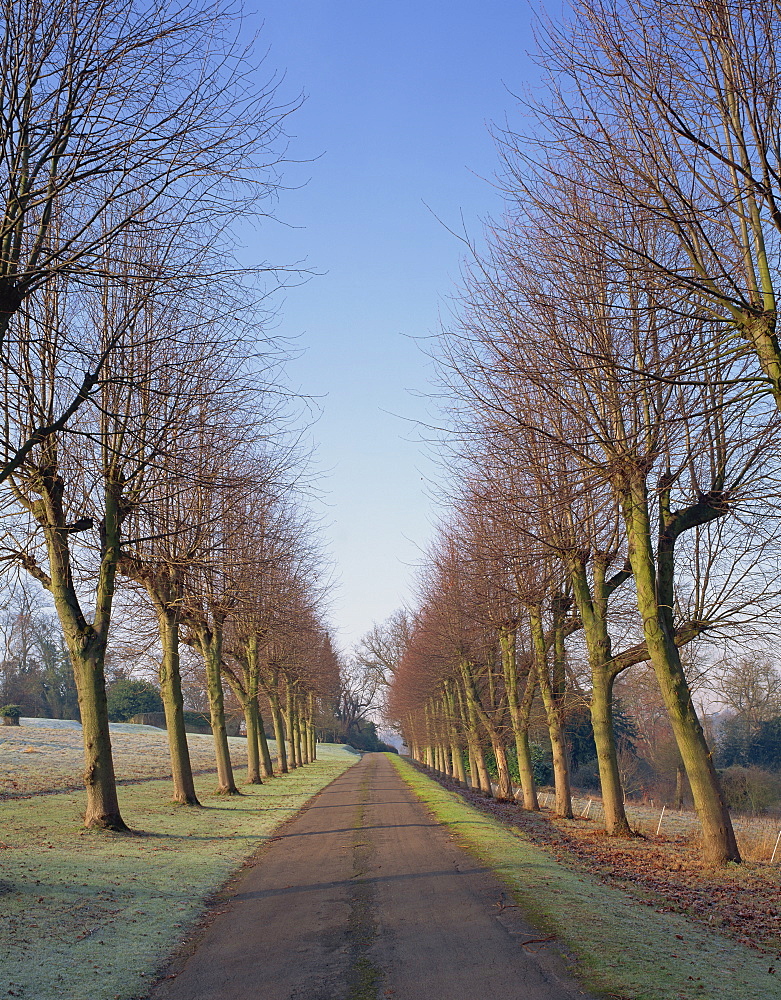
(250, 710)
(474, 779)
(245, 687)
(272, 692)
(504, 791)
(592, 608)
(469, 713)
(164, 591)
(655, 601)
(298, 728)
(288, 715)
(248, 660)
(173, 701)
(455, 747)
(266, 766)
(164, 588)
(520, 713)
(552, 715)
(210, 644)
(86, 641)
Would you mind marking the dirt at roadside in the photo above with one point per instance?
(741, 901)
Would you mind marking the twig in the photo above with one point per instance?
(544, 940)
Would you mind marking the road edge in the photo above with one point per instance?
(617, 947)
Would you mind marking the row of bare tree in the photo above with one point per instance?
(147, 437)
(615, 375)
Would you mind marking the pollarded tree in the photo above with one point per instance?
(70, 500)
(263, 544)
(606, 386)
(171, 534)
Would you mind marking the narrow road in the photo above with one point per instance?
(365, 896)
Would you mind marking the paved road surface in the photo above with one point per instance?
(364, 897)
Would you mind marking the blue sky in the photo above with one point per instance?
(395, 126)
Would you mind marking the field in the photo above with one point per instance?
(94, 916)
(757, 835)
(47, 755)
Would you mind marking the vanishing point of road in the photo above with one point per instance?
(364, 896)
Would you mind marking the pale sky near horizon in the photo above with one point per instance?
(399, 97)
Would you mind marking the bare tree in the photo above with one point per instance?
(266, 543)
(624, 375)
(670, 109)
(117, 116)
(171, 535)
(379, 651)
(748, 684)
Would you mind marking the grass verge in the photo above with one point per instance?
(621, 947)
(90, 915)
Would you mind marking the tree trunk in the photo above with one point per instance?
(679, 788)
(279, 728)
(458, 704)
(458, 764)
(290, 741)
(99, 778)
(719, 844)
(593, 613)
(504, 788)
(520, 712)
(87, 648)
(298, 726)
(455, 749)
(211, 649)
(473, 737)
(553, 717)
(504, 792)
(248, 660)
(474, 781)
(616, 821)
(443, 728)
(311, 726)
(250, 710)
(173, 703)
(266, 767)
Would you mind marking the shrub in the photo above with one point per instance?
(750, 789)
(127, 698)
(10, 712)
(196, 719)
(542, 764)
(587, 776)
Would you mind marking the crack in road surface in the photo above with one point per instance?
(363, 896)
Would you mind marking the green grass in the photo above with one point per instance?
(88, 915)
(622, 948)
